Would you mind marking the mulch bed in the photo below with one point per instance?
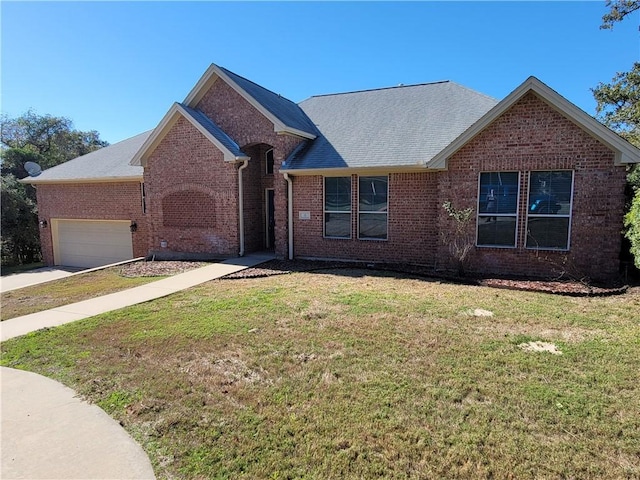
(281, 267)
(158, 268)
(559, 287)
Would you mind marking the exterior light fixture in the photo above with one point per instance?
(133, 227)
(43, 224)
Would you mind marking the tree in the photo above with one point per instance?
(618, 104)
(618, 9)
(461, 239)
(618, 107)
(48, 141)
(20, 242)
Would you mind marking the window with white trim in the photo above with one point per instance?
(337, 207)
(372, 207)
(549, 209)
(497, 209)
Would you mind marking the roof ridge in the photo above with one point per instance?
(383, 88)
(474, 91)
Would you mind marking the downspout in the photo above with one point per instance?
(290, 212)
(244, 165)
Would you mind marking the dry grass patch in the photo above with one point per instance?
(351, 374)
(88, 285)
(56, 293)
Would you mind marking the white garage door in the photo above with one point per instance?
(88, 243)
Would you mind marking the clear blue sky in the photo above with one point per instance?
(116, 67)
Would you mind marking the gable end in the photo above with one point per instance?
(215, 72)
(625, 153)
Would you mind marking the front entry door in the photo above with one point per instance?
(270, 219)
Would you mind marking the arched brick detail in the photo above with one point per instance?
(188, 208)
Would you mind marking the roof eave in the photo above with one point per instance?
(36, 181)
(284, 130)
(337, 171)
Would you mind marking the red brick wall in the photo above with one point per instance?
(186, 163)
(91, 201)
(235, 116)
(249, 128)
(532, 136)
(412, 235)
(529, 136)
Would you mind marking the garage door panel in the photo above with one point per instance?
(92, 243)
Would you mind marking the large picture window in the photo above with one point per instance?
(337, 207)
(372, 207)
(498, 209)
(549, 209)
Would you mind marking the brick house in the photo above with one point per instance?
(236, 168)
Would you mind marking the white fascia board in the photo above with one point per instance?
(152, 141)
(171, 117)
(344, 171)
(624, 151)
(61, 181)
(295, 132)
(202, 86)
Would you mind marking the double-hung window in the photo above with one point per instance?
(372, 207)
(549, 209)
(498, 209)
(337, 207)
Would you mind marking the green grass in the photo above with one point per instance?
(353, 374)
(56, 293)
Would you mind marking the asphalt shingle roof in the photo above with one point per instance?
(389, 127)
(214, 130)
(288, 112)
(108, 162)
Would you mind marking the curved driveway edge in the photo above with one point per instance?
(47, 432)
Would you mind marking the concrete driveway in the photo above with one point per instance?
(49, 433)
(34, 277)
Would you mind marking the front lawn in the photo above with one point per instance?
(56, 293)
(357, 374)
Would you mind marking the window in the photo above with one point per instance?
(498, 209)
(549, 209)
(337, 207)
(269, 161)
(144, 198)
(372, 207)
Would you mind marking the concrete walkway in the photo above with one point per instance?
(18, 326)
(47, 432)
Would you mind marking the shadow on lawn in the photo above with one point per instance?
(427, 274)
